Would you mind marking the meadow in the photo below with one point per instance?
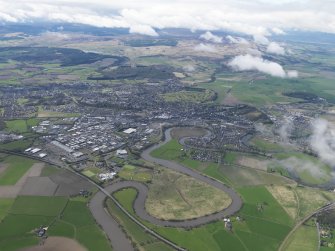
(175, 196)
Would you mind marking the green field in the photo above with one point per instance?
(38, 205)
(265, 145)
(77, 222)
(5, 205)
(130, 172)
(17, 145)
(304, 238)
(17, 167)
(271, 209)
(170, 151)
(270, 90)
(64, 217)
(20, 125)
(189, 96)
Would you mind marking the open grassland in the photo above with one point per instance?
(189, 96)
(221, 87)
(180, 132)
(298, 201)
(17, 167)
(304, 238)
(287, 198)
(310, 199)
(244, 176)
(20, 125)
(174, 196)
(269, 90)
(130, 172)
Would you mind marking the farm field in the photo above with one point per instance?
(17, 167)
(64, 217)
(298, 241)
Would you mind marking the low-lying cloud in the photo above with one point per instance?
(285, 130)
(275, 48)
(322, 140)
(251, 63)
(261, 39)
(296, 166)
(236, 40)
(205, 47)
(143, 29)
(209, 36)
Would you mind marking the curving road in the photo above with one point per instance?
(111, 227)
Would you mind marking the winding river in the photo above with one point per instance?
(111, 227)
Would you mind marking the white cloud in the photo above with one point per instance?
(260, 39)
(189, 68)
(143, 29)
(278, 31)
(249, 17)
(205, 47)
(322, 140)
(55, 35)
(254, 52)
(249, 63)
(209, 36)
(236, 40)
(292, 74)
(275, 48)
